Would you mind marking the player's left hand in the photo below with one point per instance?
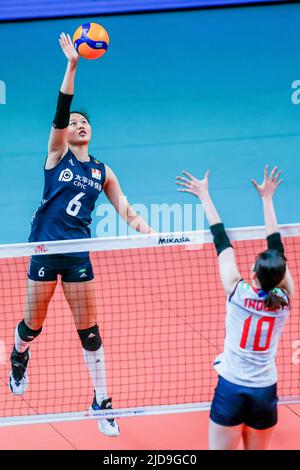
(198, 188)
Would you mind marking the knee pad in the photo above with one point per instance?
(90, 338)
(26, 334)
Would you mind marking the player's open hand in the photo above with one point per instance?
(270, 183)
(68, 48)
(192, 185)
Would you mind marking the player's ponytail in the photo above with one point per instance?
(270, 268)
(273, 301)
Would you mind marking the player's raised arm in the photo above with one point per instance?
(229, 272)
(266, 191)
(118, 199)
(57, 145)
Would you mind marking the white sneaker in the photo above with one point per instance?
(18, 379)
(109, 427)
(18, 387)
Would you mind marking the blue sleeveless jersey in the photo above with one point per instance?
(70, 192)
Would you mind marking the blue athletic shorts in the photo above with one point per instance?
(71, 268)
(233, 405)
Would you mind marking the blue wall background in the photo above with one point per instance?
(183, 90)
(30, 9)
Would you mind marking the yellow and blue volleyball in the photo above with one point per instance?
(91, 40)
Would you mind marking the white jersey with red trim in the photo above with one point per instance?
(252, 336)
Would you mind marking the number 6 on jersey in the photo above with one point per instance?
(74, 205)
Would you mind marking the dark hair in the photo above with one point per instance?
(270, 267)
(83, 113)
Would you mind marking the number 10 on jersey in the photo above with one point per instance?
(262, 339)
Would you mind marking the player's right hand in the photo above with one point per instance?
(68, 48)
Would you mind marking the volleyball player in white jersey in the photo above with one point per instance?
(245, 401)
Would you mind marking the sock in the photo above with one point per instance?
(96, 366)
(22, 345)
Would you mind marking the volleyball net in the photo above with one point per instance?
(161, 314)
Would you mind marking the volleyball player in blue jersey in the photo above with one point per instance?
(73, 182)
